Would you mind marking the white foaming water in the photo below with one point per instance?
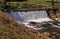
(33, 15)
(40, 20)
(26, 16)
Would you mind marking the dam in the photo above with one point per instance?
(25, 16)
(31, 15)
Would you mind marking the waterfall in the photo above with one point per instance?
(26, 16)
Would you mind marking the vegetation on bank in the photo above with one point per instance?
(39, 1)
(29, 4)
(17, 4)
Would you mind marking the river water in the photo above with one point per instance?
(25, 17)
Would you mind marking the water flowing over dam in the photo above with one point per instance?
(26, 16)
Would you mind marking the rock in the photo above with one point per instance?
(37, 24)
